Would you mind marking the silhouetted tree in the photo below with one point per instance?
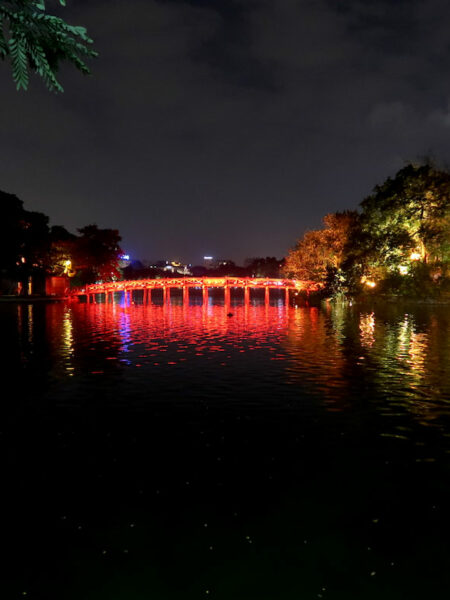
(24, 242)
(97, 254)
(264, 267)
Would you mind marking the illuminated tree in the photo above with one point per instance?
(402, 238)
(319, 254)
(61, 257)
(35, 40)
(408, 216)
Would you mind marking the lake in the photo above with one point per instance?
(171, 451)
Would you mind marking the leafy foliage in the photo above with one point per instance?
(35, 40)
(408, 213)
(318, 255)
(402, 238)
(399, 243)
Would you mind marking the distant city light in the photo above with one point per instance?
(415, 256)
(403, 269)
(207, 258)
(125, 257)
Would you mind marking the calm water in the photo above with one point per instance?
(159, 452)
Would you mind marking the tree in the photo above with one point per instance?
(407, 216)
(97, 253)
(62, 252)
(24, 243)
(35, 40)
(319, 254)
(401, 242)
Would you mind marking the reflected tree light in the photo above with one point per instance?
(367, 329)
(30, 323)
(68, 340)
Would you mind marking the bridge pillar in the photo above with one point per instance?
(226, 297)
(246, 295)
(205, 295)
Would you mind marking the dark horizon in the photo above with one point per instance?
(228, 128)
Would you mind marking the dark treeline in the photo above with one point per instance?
(397, 244)
(31, 250)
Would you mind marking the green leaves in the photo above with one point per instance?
(37, 41)
(18, 51)
(406, 213)
(41, 5)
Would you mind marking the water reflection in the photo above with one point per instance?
(314, 356)
(149, 332)
(407, 364)
(307, 447)
(397, 360)
(68, 340)
(367, 329)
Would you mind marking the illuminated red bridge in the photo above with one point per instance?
(186, 283)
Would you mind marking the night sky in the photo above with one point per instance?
(229, 127)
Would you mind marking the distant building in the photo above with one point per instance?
(170, 266)
(215, 263)
(207, 261)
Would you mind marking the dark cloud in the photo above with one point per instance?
(229, 127)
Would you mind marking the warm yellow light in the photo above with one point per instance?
(67, 265)
(415, 256)
(371, 284)
(403, 269)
